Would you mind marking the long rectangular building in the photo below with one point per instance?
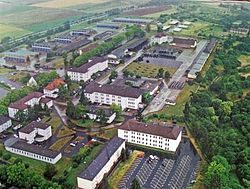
(152, 135)
(91, 177)
(20, 147)
(133, 20)
(126, 97)
(84, 72)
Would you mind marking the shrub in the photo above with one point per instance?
(6, 156)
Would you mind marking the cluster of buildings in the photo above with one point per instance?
(239, 31)
(158, 136)
(20, 56)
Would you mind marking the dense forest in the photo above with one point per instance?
(218, 117)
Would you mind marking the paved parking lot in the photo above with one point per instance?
(164, 173)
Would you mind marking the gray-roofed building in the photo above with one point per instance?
(85, 71)
(103, 35)
(20, 147)
(5, 123)
(138, 45)
(108, 25)
(92, 176)
(150, 134)
(133, 20)
(126, 97)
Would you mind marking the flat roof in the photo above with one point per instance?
(132, 20)
(170, 132)
(102, 159)
(23, 145)
(32, 126)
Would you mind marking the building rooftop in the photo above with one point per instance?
(101, 160)
(136, 20)
(85, 67)
(55, 84)
(113, 90)
(3, 119)
(45, 100)
(94, 110)
(160, 35)
(137, 43)
(210, 46)
(32, 126)
(21, 104)
(184, 41)
(170, 132)
(22, 145)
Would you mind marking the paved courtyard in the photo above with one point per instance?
(164, 173)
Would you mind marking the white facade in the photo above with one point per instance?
(51, 93)
(45, 134)
(112, 59)
(32, 102)
(108, 99)
(92, 184)
(34, 156)
(150, 140)
(32, 82)
(85, 76)
(110, 119)
(161, 39)
(5, 125)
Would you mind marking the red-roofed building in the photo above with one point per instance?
(153, 135)
(52, 89)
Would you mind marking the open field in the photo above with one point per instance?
(180, 102)
(158, 14)
(66, 3)
(147, 10)
(11, 31)
(147, 70)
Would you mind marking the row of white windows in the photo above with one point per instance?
(146, 135)
(150, 144)
(31, 154)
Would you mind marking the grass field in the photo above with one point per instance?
(66, 3)
(180, 102)
(11, 31)
(57, 146)
(147, 70)
(108, 134)
(158, 14)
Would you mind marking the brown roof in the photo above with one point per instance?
(85, 67)
(45, 100)
(113, 90)
(55, 84)
(184, 41)
(160, 35)
(20, 104)
(32, 126)
(171, 132)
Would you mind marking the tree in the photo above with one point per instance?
(146, 97)
(21, 116)
(113, 75)
(148, 28)
(101, 116)
(83, 99)
(117, 109)
(17, 175)
(50, 171)
(217, 175)
(63, 92)
(167, 75)
(80, 111)
(135, 184)
(70, 111)
(161, 73)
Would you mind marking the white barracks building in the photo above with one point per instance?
(126, 97)
(92, 176)
(152, 135)
(84, 72)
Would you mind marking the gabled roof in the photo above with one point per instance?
(21, 104)
(101, 160)
(86, 66)
(3, 119)
(113, 90)
(170, 132)
(55, 84)
(184, 41)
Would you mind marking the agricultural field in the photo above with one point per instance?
(147, 70)
(169, 11)
(147, 10)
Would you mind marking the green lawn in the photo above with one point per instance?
(108, 134)
(85, 123)
(57, 146)
(121, 169)
(55, 122)
(11, 31)
(245, 60)
(74, 172)
(158, 14)
(180, 102)
(147, 70)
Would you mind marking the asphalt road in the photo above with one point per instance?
(187, 57)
